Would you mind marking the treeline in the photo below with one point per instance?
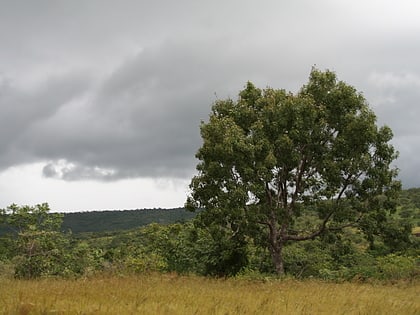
(115, 220)
(101, 221)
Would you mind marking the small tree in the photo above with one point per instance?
(273, 159)
(41, 249)
(19, 219)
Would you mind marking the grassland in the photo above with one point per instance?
(171, 294)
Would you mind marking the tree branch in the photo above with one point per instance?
(323, 228)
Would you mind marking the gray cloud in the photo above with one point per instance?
(21, 111)
(104, 90)
(142, 121)
(396, 96)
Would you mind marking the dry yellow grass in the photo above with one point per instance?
(170, 294)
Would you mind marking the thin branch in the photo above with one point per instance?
(323, 228)
(262, 222)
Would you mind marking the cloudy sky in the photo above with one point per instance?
(101, 101)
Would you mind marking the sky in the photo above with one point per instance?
(101, 101)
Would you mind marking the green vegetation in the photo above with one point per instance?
(41, 250)
(278, 168)
(37, 248)
(98, 221)
(115, 220)
(409, 205)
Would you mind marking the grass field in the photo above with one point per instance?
(171, 294)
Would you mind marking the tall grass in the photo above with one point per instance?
(172, 294)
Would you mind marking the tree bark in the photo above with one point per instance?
(277, 256)
(276, 248)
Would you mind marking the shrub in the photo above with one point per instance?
(395, 267)
(306, 259)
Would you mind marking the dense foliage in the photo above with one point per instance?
(409, 202)
(271, 158)
(39, 249)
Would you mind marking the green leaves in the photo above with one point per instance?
(40, 247)
(30, 218)
(271, 154)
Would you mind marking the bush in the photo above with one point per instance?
(307, 259)
(394, 267)
(390, 267)
(144, 263)
(41, 253)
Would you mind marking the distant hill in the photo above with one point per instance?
(116, 220)
(100, 221)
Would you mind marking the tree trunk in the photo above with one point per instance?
(276, 249)
(277, 256)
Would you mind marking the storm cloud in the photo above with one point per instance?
(106, 90)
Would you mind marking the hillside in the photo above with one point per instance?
(116, 220)
(98, 221)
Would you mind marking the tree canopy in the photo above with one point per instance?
(272, 158)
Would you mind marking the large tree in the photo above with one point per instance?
(271, 158)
